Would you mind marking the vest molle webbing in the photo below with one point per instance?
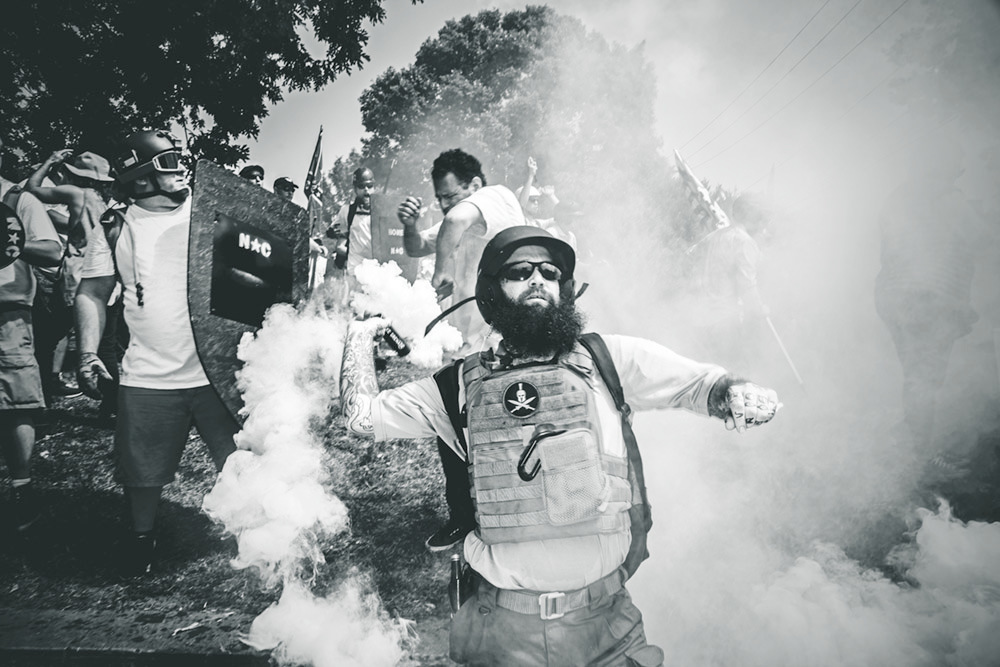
(539, 470)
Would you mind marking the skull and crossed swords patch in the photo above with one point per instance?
(520, 399)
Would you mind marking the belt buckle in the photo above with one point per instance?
(551, 605)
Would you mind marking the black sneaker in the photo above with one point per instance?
(138, 550)
(27, 509)
(447, 536)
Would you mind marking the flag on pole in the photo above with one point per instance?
(710, 214)
(317, 264)
(312, 186)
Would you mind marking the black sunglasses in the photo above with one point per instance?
(521, 271)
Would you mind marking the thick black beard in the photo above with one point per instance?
(537, 331)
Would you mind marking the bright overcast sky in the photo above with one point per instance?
(704, 54)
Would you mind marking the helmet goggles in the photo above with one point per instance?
(168, 162)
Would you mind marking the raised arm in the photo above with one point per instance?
(415, 243)
(59, 194)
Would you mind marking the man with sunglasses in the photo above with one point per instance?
(543, 422)
(164, 388)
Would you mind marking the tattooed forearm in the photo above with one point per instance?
(357, 379)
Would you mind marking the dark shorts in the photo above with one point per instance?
(153, 427)
(608, 632)
(20, 380)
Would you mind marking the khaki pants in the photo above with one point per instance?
(608, 632)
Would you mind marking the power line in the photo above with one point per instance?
(759, 74)
(783, 76)
(844, 114)
(807, 88)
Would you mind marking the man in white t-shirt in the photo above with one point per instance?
(164, 388)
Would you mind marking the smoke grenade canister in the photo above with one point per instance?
(396, 342)
(455, 583)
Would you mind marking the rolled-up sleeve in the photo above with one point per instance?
(654, 377)
(413, 410)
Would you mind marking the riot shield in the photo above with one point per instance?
(387, 236)
(248, 250)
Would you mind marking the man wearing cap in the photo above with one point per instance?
(20, 381)
(285, 188)
(253, 173)
(543, 422)
(83, 184)
(164, 388)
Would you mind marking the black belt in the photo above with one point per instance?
(558, 603)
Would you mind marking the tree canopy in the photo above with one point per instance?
(504, 86)
(85, 73)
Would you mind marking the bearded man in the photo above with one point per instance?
(543, 424)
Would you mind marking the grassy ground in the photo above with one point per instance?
(59, 586)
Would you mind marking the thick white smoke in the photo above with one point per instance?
(274, 495)
(384, 291)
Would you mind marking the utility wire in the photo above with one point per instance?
(843, 115)
(759, 74)
(783, 76)
(807, 88)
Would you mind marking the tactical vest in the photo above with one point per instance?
(539, 469)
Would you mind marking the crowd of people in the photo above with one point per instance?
(531, 421)
(543, 478)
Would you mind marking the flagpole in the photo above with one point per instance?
(315, 203)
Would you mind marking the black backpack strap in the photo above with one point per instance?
(447, 380)
(639, 514)
(112, 222)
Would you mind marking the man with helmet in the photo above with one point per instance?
(543, 422)
(164, 388)
(253, 173)
(21, 394)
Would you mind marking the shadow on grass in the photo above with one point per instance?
(78, 539)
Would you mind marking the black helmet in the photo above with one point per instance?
(147, 152)
(502, 246)
(250, 169)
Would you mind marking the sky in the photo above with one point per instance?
(704, 54)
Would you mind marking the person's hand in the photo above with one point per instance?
(317, 248)
(370, 327)
(90, 370)
(60, 156)
(409, 211)
(444, 285)
(532, 166)
(750, 405)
